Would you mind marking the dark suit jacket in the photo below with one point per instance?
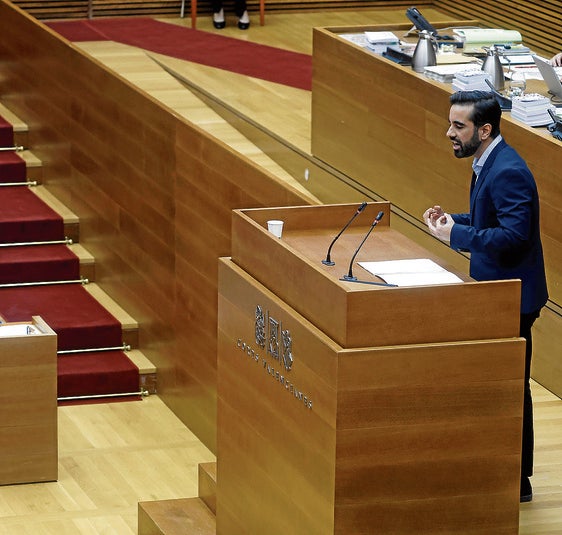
(502, 230)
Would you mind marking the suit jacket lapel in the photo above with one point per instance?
(476, 185)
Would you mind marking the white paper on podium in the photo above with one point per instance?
(411, 272)
(17, 329)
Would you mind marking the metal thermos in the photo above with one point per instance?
(425, 52)
(492, 65)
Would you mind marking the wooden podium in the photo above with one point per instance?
(354, 408)
(28, 395)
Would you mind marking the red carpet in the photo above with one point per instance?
(79, 321)
(250, 59)
(24, 217)
(112, 367)
(38, 263)
(12, 168)
(6, 133)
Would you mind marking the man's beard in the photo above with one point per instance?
(469, 148)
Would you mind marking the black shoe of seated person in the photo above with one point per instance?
(244, 21)
(218, 20)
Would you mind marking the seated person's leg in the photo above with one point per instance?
(242, 14)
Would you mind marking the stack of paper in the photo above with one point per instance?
(477, 38)
(411, 272)
(446, 73)
(469, 80)
(532, 109)
(378, 42)
(359, 39)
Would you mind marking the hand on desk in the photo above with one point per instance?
(439, 223)
(557, 60)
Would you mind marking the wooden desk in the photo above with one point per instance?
(350, 409)
(384, 125)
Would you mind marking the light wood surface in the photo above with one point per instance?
(96, 442)
(111, 456)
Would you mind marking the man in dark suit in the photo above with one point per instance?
(501, 231)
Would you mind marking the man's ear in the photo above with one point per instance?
(486, 131)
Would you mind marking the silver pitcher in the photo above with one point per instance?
(425, 52)
(492, 65)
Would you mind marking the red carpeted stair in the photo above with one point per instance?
(36, 264)
(12, 167)
(82, 324)
(6, 133)
(26, 218)
(112, 366)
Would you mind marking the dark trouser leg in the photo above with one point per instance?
(527, 321)
(239, 7)
(216, 5)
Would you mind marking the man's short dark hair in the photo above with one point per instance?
(485, 108)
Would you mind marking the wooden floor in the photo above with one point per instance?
(111, 456)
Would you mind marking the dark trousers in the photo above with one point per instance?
(526, 323)
(239, 6)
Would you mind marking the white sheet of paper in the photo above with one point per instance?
(411, 272)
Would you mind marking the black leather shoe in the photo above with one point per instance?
(218, 20)
(526, 491)
(244, 21)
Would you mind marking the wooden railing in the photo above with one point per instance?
(75, 9)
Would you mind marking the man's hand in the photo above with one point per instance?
(431, 215)
(557, 60)
(441, 227)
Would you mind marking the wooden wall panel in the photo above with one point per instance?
(153, 194)
(348, 121)
(73, 9)
(538, 21)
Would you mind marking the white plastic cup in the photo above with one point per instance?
(275, 226)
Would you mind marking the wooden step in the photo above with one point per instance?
(87, 262)
(174, 517)
(207, 481)
(128, 324)
(33, 164)
(70, 219)
(194, 516)
(147, 371)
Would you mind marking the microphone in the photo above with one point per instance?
(349, 276)
(505, 103)
(328, 260)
